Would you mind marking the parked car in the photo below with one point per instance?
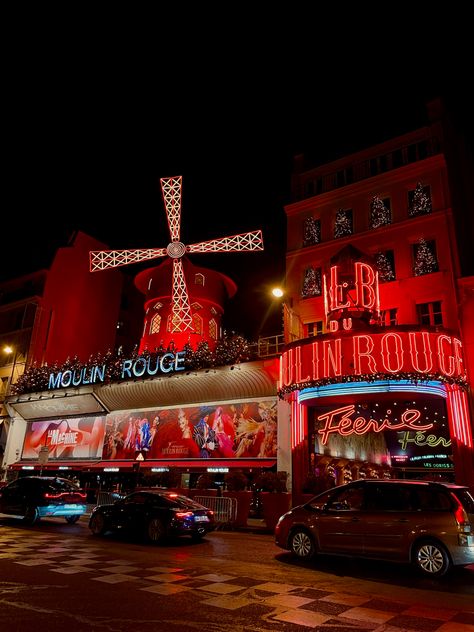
(33, 497)
(428, 524)
(156, 514)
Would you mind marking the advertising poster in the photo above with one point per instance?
(74, 438)
(217, 431)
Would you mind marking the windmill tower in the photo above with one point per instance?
(172, 313)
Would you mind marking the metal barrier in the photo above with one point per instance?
(107, 498)
(225, 509)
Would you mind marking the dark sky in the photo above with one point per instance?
(92, 122)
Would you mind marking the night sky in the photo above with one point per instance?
(92, 123)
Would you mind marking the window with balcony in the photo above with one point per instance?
(312, 283)
(311, 231)
(425, 260)
(314, 329)
(389, 317)
(385, 262)
(380, 212)
(343, 224)
(419, 200)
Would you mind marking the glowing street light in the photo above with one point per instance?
(9, 351)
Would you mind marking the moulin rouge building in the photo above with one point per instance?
(378, 314)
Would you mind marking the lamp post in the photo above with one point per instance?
(9, 351)
(292, 325)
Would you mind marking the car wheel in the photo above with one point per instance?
(97, 524)
(302, 544)
(72, 519)
(155, 530)
(431, 558)
(199, 534)
(31, 515)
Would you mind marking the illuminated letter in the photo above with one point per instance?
(126, 368)
(366, 290)
(457, 344)
(298, 376)
(332, 357)
(347, 323)
(99, 373)
(136, 369)
(168, 367)
(333, 326)
(335, 292)
(54, 380)
(358, 354)
(315, 361)
(428, 356)
(443, 357)
(179, 360)
(396, 354)
(66, 378)
(287, 369)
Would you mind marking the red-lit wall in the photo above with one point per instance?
(79, 309)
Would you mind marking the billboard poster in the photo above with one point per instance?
(72, 438)
(217, 431)
(399, 432)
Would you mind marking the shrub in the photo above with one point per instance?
(270, 482)
(236, 481)
(205, 481)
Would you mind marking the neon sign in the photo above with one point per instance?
(138, 367)
(390, 353)
(343, 422)
(347, 294)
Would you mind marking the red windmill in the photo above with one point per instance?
(180, 321)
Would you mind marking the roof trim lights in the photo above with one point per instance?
(384, 386)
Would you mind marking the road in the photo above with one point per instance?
(58, 577)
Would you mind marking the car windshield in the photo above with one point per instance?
(184, 501)
(61, 485)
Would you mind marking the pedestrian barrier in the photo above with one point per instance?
(107, 498)
(225, 509)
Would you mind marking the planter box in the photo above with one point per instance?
(274, 505)
(243, 498)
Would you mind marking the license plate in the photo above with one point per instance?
(201, 518)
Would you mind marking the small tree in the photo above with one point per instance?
(270, 482)
(236, 481)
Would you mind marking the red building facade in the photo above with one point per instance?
(378, 366)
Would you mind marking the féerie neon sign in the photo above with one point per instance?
(343, 422)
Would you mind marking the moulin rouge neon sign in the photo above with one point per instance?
(343, 422)
(351, 296)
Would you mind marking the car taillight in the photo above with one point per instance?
(184, 514)
(61, 494)
(460, 513)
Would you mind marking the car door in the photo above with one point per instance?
(129, 512)
(12, 498)
(338, 526)
(392, 517)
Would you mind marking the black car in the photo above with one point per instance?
(33, 497)
(156, 514)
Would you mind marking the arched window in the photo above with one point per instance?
(197, 322)
(213, 329)
(196, 306)
(199, 279)
(155, 324)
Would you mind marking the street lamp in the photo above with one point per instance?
(292, 325)
(7, 349)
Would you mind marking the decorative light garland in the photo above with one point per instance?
(415, 378)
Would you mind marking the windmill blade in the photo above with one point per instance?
(235, 243)
(181, 318)
(171, 189)
(103, 259)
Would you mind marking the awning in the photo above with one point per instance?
(184, 463)
(76, 466)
